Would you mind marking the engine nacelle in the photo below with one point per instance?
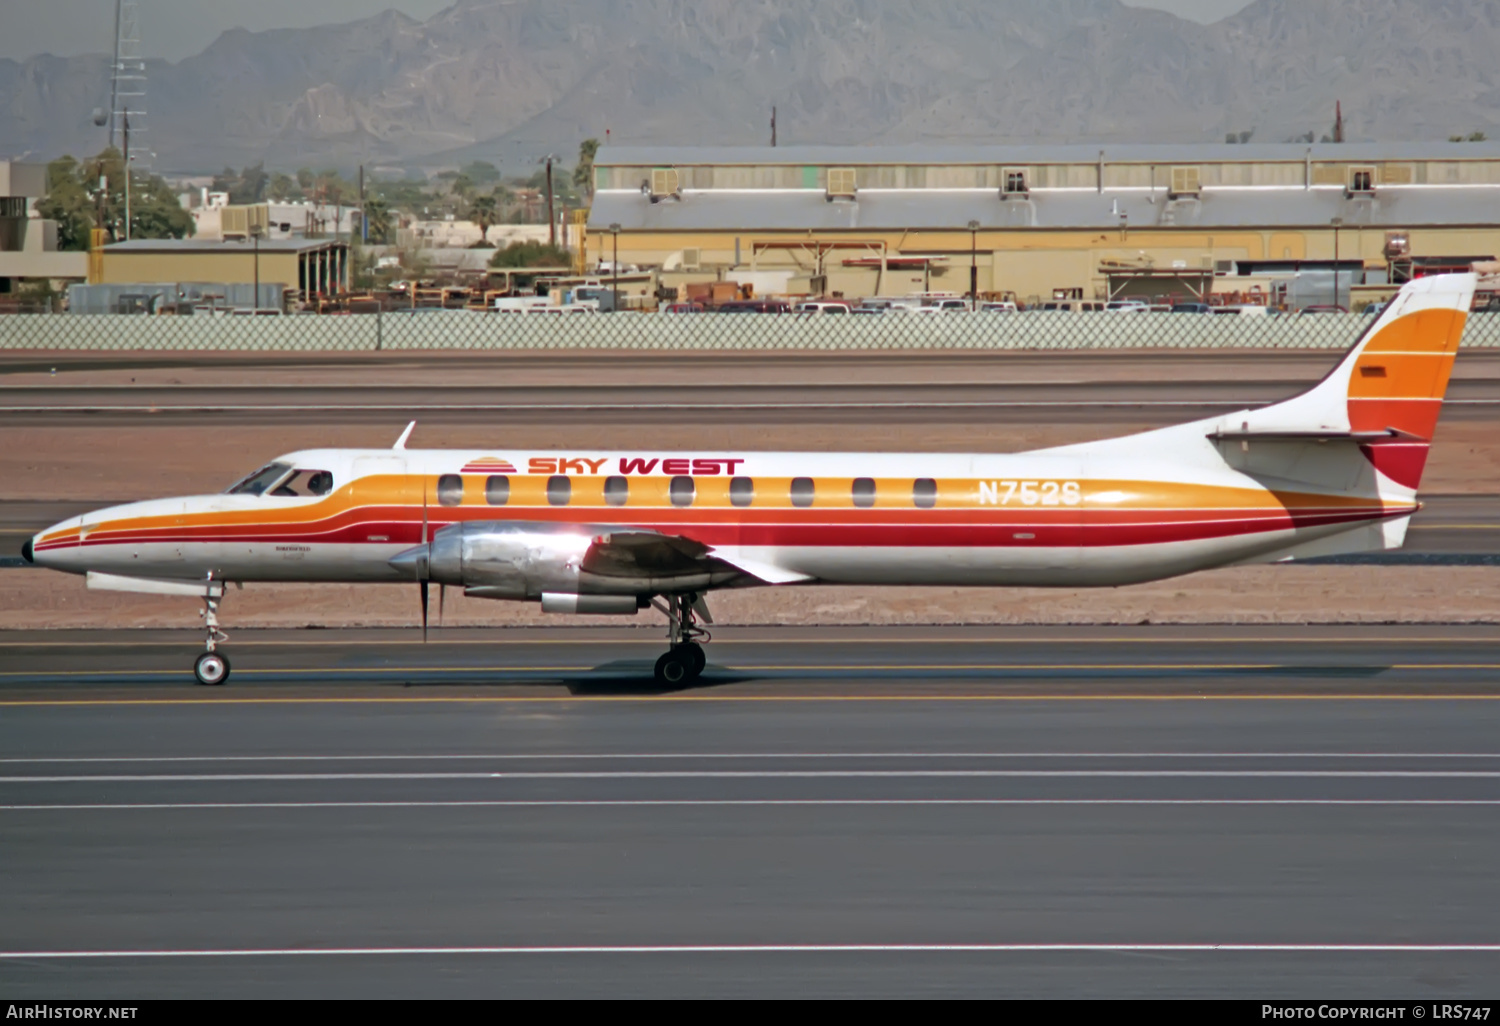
(514, 561)
(526, 560)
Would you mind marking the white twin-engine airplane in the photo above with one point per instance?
(1334, 470)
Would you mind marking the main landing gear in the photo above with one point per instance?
(684, 661)
(211, 668)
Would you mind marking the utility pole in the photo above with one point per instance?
(614, 270)
(973, 266)
(551, 220)
(127, 176)
(1337, 222)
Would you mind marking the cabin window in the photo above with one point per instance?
(924, 493)
(258, 482)
(450, 490)
(741, 491)
(864, 492)
(559, 490)
(497, 490)
(802, 492)
(681, 491)
(616, 490)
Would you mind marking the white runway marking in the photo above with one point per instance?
(195, 778)
(766, 949)
(596, 756)
(724, 802)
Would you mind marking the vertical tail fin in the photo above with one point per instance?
(1393, 380)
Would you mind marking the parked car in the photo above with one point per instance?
(773, 306)
(1321, 308)
(823, 307)
(998, 307)
(1072, 306)
(1125, 306)
(1247, 310)
(676, 308)
(945, 305)
(1191, 308)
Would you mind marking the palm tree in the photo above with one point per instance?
(378, 220)
(482, 211)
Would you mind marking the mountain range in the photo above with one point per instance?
(512, 80)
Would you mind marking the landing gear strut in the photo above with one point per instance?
(211, 668)
(685, 660)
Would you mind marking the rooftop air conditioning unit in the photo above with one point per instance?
(692, 259)
(841, 183)
(665, 182)
(1361, 181)
(1013, 183)
(1186, 182)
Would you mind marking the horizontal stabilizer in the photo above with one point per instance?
(1357, 437)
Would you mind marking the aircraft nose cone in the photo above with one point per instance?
(27, 553)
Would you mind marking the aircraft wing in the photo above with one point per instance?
(637, 553)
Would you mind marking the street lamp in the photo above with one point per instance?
(614, 270)
(973, 266)
(255, 230)
(1337, 222)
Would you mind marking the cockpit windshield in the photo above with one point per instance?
(263, 479)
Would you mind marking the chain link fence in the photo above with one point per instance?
(466, 330)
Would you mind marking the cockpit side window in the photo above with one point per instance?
(306, 484)
(264, 478)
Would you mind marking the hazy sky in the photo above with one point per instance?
(180, 28)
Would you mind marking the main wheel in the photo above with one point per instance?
(211, 669)
(694, 651)
(674, 667)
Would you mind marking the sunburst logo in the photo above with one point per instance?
(488, 465)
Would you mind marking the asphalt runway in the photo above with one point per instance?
(1252, 812)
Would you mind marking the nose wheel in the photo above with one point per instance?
(211, 668)
(685, 660)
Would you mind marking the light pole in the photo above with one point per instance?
(973, 266)
(551, 220)
(255, 239)
(1337, 222)
(614, 270)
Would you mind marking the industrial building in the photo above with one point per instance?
(1041, 222)
(305, 268)
(28, 243)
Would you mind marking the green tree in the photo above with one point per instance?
(531, 254)
(70, 203)
(583, 174)
(483, 211)
(481, 172)
(1471, 137)
(284, 187)
(378, 221)
(88, 194)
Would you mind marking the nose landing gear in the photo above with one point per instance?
(211, 668)
(685, 660)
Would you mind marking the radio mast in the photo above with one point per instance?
(127, 90)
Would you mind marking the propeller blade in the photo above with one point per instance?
(424, 587)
